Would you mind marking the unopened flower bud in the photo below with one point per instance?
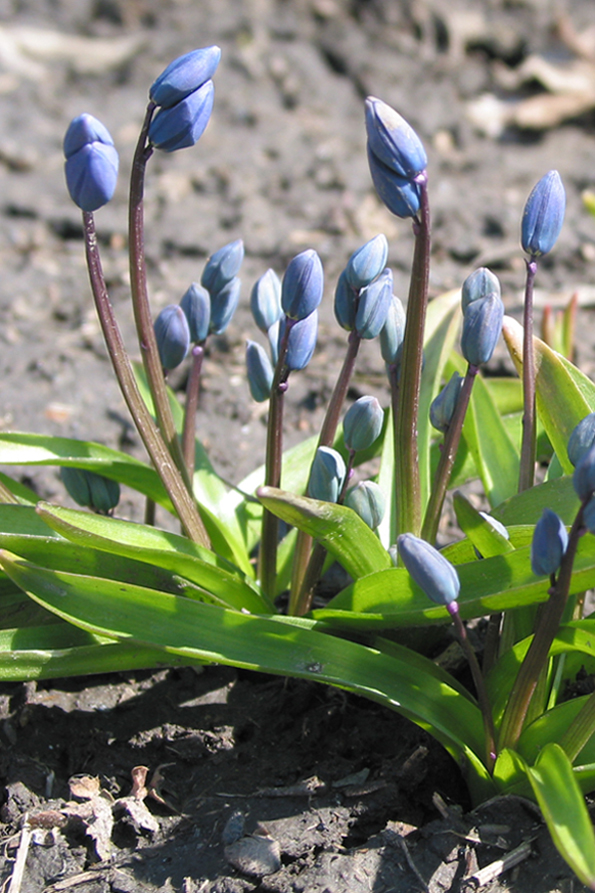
(391, 336)
(393, 141)
(550, 540)
(91, 490)
(482, 324)
(265, 301)
(91, 166)
(345, 303)
(260, 371)
(431, 571)
(367, 263)
(401, 196)
(301, 341)
(367, 500)
(583, 478)
(373, 306)
(184, 75)
(173, 336)
(223, 305)
(222, 267)
(443, 406)
(326, 475)
(196, 305)
(478, 285)
(301, 290)
(582, 439)
(543, 215)
(184, 123)
(362, 424)
(589, 515)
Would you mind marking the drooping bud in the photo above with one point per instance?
(482, 324)
(478, 285)
(183, 124)
(173, 336)
(91, 490)
(265, 301)
(222, 266)
(184, 75)
(362, 424)
(431, 571)
(373, 305)
(550, 540)
(583, 478)
(391, 336)
(589, 515)
(443, 406)
(326, 475)
(223, 305)
(301, 341)
(393, 141)
(582, 439)
(301, 291)
(543, 215)
(91, 166)
(367, 500)
(196, 305)
(260, 371)
(367, 263)
(402, 197)
(345, 303)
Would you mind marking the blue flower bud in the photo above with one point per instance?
(184, 123)
(184, 75)
(260, 371)
(173, 336)
(431, 571)
(393, 141)
(301, 291)
(362, 424)
(345, 303)
(443, 406)
(373, 306)
(222, 266)
(223, 306)
(91, 166)
(326, 475)
(367, 500)
(402, 197)
(550, 540)
(265, 301)
(583, 478)
(91, 490)
(391, 336)
(482, 324)
(582, 439)
(301, 341)
(196, 304)
(543, 215)
(589, 515)
(367, 263)
(478, 285)
(273, 335)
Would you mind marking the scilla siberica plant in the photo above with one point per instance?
(123, 595)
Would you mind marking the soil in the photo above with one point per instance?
(266, 784)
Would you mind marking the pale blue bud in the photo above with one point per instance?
(393, 141)
(222, 266)
(345, 303)
(478, 285)
(301, 341)
(301, 291)
(90, 489)
(402, 197)
(482, 324)
(91, 166)
(367, 263)
(184, 75)
(184, 123)
(362, 424)
(543, 215)
(391, 336)
(173, 336)
(367, 500)
(265, 301)
(550, 540)
(373, 306)
(260, 371)
(582, 439)
(430, 570)
(443, 406)
(196, 304)
(223, 305)
(326, 475)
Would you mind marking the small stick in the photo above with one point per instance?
(19, 865)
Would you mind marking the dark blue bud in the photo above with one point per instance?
(367, 500)
(550, 540)
(393, 141)
(482, 324)
(478, 285)
(367, 263)
(431, 571)
(222, 266)
(326, 475)
(91, 166)
(301, 291)
(196, 304)
(583, 478)
(184, 123)
(589, 515)
(391, 336)
(373, 306)
(362, 424)
(173, 336)
(260, 371)
(345, 303)
(91, 490)
(184, 75)
(582, 439)
(543, 215)
(443, 406)
(402, 197)
(223, 306)
(301, 341)
(265, 301)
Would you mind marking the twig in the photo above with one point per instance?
(21, 858)
(495, 869)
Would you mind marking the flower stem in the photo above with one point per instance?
(527, 467)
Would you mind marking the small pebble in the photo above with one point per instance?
(256, 856)
(234, 828)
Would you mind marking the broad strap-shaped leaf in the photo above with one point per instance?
(340, 530)
(527, 507)
(496, 458)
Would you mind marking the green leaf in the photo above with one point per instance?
(487, 540)
(527, 507)
(496, 458)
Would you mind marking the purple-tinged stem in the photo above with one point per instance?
(527, 467)
(192, 392)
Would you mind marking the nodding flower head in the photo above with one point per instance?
(173, 336)
(480, 283)
(362, 424)
(373, 306)
(301, 340)
(550, 540)
(482, 324)
(265, 301)
(393, 141)
(543, 215)
(260, 371)
(326, 475)
(222, 266)
(582, 439)
(196, 304)
(182, 125)
(367, 500)
(184, 75)
(91, 166)
(301, 289)
(367, 263)
(443, 406)
(431, 571)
